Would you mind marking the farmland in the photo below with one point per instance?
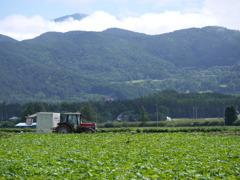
(120, 156)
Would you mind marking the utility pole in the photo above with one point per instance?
(196, 113)
(157, 113)
(96, 115)
(193, 113)
(223, 110)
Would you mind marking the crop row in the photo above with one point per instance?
(120, 156)
(234, 129)
(221, 129)
(177, 123)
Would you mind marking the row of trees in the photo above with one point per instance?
(152, 107)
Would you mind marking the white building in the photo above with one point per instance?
(24, 125)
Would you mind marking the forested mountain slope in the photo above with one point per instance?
(82, 65)
(6, 38)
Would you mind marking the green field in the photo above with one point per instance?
(120, 156)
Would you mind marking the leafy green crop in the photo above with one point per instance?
(120, 156)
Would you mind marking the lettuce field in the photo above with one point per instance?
(120, 156)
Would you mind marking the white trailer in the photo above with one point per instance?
(47, 121)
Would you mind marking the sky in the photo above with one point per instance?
(26, 19)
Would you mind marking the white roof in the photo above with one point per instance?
(47, 113)
(24, 124)
(31, 116)
(13, 118)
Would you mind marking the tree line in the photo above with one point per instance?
(152, 107)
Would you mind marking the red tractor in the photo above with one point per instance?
(72, 123)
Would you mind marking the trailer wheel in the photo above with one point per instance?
(63, 129)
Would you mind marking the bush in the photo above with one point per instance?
(180, 123)
(108, 125)
(17, 130)
(237, 123)
(230, 115)
(138, 130)
(7, 124)
(215, 123)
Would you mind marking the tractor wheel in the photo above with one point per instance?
(89, 130)
(63, 129)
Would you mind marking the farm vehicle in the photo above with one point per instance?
(48, 122)
(72, 122)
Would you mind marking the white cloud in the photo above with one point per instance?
(165, 3)
(72, 1)
(21, 27)
(226, 12)
(215, 12)
(98, 21)
(165, 22)
(148, 23)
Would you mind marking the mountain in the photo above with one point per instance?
(117, 63)
(76, 16)
(206, 47)
(6, 38)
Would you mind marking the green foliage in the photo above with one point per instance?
(120, 156)
(143, 115)
(17, 130)
(171, 103)
(9, 110)
(162, 113)
(230, 115)
(236, 123)
(32, 108)
(83, 66)
(180, 123)
(88, 113)
(7, 124)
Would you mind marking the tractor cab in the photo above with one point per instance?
(74, 119)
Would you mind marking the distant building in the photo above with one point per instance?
(30, 119)
(169, 119)
(13, 118)
(109, 98)
(29, 122)
(24, 125)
